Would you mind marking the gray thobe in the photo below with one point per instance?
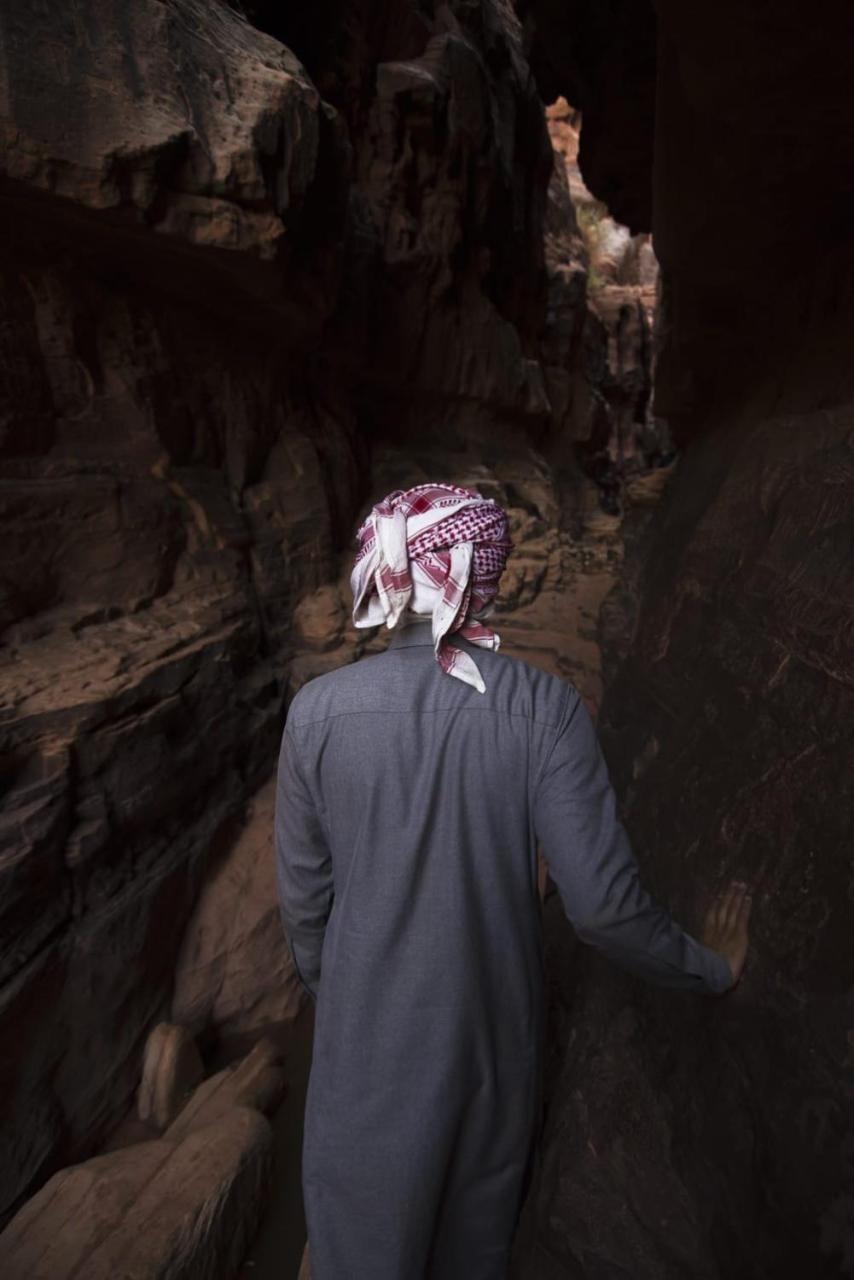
(409, 810)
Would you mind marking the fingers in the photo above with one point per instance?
(719, 907)
(727, 915)
(726, 921)
(730, 909)
(726, 904)
(744, 913)
(736, 904)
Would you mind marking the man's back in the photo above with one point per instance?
(409, 810)
(425, 787)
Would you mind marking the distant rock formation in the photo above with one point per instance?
(622, 293)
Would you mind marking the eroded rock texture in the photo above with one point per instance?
(622, 289)
(234, 977)
(255, 273)
(685, 1137)
(232, 258)
(182, 1205)
(170, 487)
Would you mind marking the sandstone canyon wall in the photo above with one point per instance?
(240, 246)
(683, 1139)
(622, 293)
(257, 259)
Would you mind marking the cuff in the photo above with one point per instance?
(718, 973)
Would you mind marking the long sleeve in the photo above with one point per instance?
(591, 861)
(303, 867)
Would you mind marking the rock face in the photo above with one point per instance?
(171, 1068)
(164, 472)
(185, 1205)
(232, 259)
(253, 273)
(713, 1138)
(257, 1082)
(715, 1135)
(622, 290)
(151, 1211)
(762, 319)
(601, 57)
(234, 974)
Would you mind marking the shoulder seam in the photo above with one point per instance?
(481, 711)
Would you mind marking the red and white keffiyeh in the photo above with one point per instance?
(435, 549)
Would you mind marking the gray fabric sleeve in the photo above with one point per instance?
(303, 868)
(592, 864)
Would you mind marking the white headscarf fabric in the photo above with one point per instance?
(436, 550)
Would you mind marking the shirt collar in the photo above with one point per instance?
(420, 632)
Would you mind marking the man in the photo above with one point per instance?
(414, 787)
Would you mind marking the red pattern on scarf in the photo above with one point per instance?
(480, 521)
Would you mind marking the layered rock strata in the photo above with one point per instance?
(229, 266)
(185, 1204)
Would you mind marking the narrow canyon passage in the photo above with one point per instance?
(548, 615)
(263, 264)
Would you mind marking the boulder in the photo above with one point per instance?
(184, 1205)
(171, 1069)
(159, 1210)
(257, 1081)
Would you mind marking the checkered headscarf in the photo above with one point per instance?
(435, 549)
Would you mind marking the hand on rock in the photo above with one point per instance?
(725, 925)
